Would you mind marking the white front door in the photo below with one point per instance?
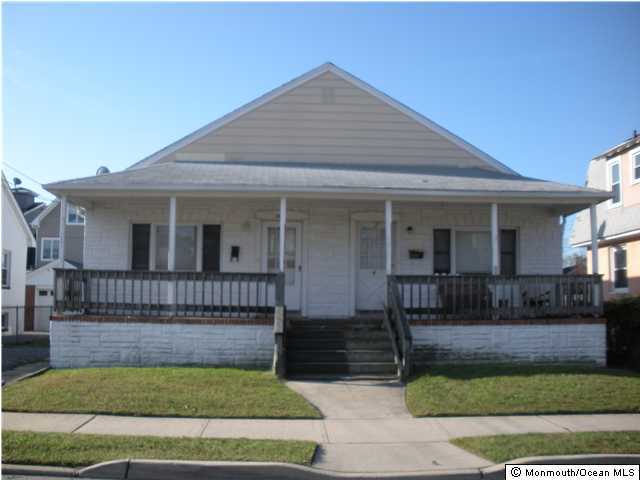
(370, 262)
(292, 260)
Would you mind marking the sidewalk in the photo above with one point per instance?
(347, 445)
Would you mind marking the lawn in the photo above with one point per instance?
(174, 392)
(521, 389)
(501, 448)
(79, 450)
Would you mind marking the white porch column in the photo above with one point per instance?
(62, 228)
(171, 254)
(594, 252)
(495, 240)
(283, 230)
(594, 239)
(388, 224)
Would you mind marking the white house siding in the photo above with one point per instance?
(14, 240)
(510, 343)
(327, 266)
(76, 344)
(327, 119)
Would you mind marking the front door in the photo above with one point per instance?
(371, 258)
(292, 260)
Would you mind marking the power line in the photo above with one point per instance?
(28, 177)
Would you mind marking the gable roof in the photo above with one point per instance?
(43, 214)
(31, 214)
(316, 72)
(13, 205)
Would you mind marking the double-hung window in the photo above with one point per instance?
(635, 166)
(620, 281)
(50, 249)
(615, 183)
(6, 269)
(75, 215)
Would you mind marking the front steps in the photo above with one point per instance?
(339, 348)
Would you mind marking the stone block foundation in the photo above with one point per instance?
(536, 341)
(101, 342)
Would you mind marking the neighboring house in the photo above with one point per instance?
(30, 208)
(47, 230)
(16, 238)
(329, 199)
(40, 281)
(616, 170)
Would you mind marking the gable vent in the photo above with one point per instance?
(328, 95)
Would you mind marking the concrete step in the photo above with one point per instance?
(336, 334)
(338, 344)
(337, 356)
(342, 368)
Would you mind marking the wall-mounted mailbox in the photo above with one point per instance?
(416, 254)
(235, 253)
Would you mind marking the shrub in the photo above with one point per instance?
(623, 332)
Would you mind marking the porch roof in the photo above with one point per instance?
(307, 178)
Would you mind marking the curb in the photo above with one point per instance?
(187, 470)
(27, 375)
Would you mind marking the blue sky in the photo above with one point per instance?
(541, 87)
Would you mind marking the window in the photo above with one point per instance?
(620, 268)
(614, 183)
(43, 293)
(5, 321)
(635, 166)
(185, 247)
(473, 252)
(441, 251)
(508, 252)
(140, 244)
(211, 248)
(6, 269)
(50, 249)
(372, 247)
(75, 215)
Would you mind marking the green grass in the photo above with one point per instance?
(501, 448)
(532, 389)
(79, 450)
(174, 392)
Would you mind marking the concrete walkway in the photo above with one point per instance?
(366, 428)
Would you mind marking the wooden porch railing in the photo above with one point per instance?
(147, 293)
(496, 297)
(398, 327)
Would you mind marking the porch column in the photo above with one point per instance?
(594, 239)
(283, 230)
(594, 252)
(171, 254)
(62, 228)
(495, 240)
(388, 223)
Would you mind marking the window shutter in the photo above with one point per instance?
(211, 248)
(141, 234)
(508, 252)
(442, 251)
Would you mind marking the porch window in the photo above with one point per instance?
(507, 252)
(442, 251)
(50, 249)
(473, 252)
(186, 246)
(614, 183)
(6, 269)
(620, 280)
(140, 244)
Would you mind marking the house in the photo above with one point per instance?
(618, 171)
(30, 208)
(357, 217)
(16, 239)
(40, 280)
